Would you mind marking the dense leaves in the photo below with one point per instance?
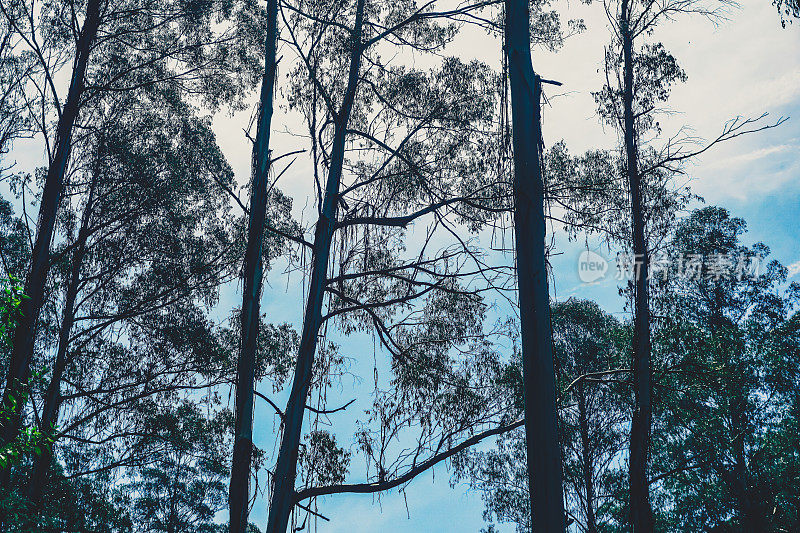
(408, 356)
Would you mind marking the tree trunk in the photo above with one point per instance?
(283, 493)
(588, 469)
(238, 497)
(52, 400)
(541, 423)
(749, 517)
(19, 371)
(641, 512)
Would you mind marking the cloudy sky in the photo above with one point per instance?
(744, 66)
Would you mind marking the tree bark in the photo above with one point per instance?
(748, 517)
(641, 511)
(19, 371)
(283, 492)
(588, 469)
(541, 422)
(52, 400)
(238, 496)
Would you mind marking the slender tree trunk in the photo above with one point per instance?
(588, 469)
(52, 400)
(238, 496)
(749, 516)
(19, 371)
(641, 512)
(283, 493)
(541, 422)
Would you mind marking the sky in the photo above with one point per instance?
(743, 66)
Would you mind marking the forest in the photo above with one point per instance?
(399, 265)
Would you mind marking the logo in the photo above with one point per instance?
(591, 266)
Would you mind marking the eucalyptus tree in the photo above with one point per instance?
(639, 77)
(108, 46)
(417, 145)
(252, 274)
(641, 513)
(541, 417)
(588, 345)
(184, 488)
(390, 145)
(724, 459)
(113, 241)
(148, 239)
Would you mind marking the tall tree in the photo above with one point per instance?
(149, 239)
(281, 503)
(541, 419)
(245, 372)
(24, 333)
(641, 513)
(118, 46)
(589, 347)
(639, 79)
(410, 133)
(49, 414)
(730, 335)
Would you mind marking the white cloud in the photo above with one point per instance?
(794, 269)
(754, 155)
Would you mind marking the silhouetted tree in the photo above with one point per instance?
(541, 417)
(245, 373)
(116, 46)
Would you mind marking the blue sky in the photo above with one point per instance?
(744, 66)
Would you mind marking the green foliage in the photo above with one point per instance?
(31, 439)
(14, 244)
(186, 484)
(725, 443)
(10, 301)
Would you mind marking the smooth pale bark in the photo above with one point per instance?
(641, 511)
(541, 422)
(283, 492)
(19, 370)
(588, 468)
(238, 496)
(52, 400)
